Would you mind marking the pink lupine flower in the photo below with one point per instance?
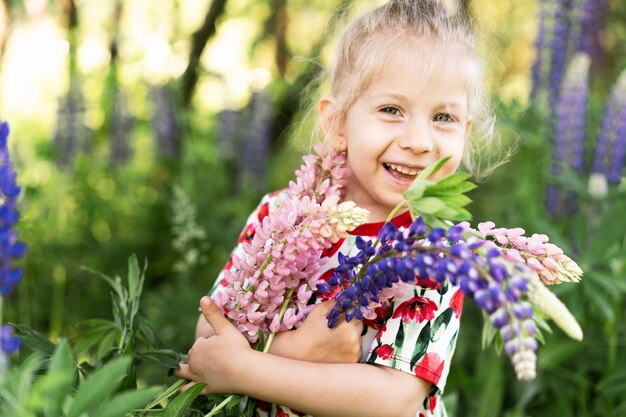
(546, 260)
(275, 277)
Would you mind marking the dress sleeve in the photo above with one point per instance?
(256, 217)
(419, 335)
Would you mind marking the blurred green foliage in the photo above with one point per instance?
(88, 209)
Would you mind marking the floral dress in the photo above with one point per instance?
(414, 332)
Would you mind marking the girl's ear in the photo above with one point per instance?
(330, 126)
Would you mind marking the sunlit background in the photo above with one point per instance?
(136, 129)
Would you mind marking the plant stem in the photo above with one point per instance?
(167, 394)
(266, 348)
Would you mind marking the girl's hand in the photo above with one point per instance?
(313, 341)
(214, 360)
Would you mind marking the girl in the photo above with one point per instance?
(405, 92)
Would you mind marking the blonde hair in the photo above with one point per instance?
(368, 41)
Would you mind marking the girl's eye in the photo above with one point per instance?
(443, 117)
(391, 110)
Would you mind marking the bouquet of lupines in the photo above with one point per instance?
(503, 271)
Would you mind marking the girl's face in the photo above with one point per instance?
(406, 120)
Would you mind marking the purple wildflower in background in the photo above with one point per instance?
(542, 58)
(228, 133)
(569, 132)
(609, 156)
(9, 343)
(10, 247)
(71, 134)
(120, 129)
(255, 157)
(164, 122)
(593, 22)
(560, 34)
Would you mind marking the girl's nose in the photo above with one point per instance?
(416, 138)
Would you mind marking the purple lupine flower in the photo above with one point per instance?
(255, 156)
(569, 131)
(164, 122)
(9, 343)
(228, 133)
(560, 35)
(10, 247)
(71, 134)
(542, 58)
(609, 156)
(411, 255)
(120, 129)
(592, 25)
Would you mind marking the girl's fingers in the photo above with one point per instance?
(186, 386)
(183, 372)
(213, 316)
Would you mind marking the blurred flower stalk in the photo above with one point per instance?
(10, 247)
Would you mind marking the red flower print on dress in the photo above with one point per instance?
(456, 303)
(385, 351)
(432, 404)
(430, 367)
(328, 252)
(331, 294)
(264, 211)
(280, 412)
(416, 309)
(382, 315)
(248, 233)
(426, 283)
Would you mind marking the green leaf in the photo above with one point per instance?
(37, 400)
(133, 277)
(260, 346)
(491, 377)
(164, 357)
(427, 205)
(98, 386)
(179, 405)
(489, 332)
(421, 345)
(35, 340)
(106, 344)
(429, 170)
(440, 200)
(62, 364)
(126, 402)
(439, 324)
(453, 179)
(610, 232)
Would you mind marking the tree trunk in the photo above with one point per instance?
(200, 39)
(292, 100)
(280, 34)
(5, 22)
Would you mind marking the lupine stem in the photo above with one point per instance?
(266, 348)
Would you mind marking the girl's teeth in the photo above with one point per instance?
(403, 170)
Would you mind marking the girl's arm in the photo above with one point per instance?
(228, 364)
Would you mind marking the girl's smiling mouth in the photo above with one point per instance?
(402, 173)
